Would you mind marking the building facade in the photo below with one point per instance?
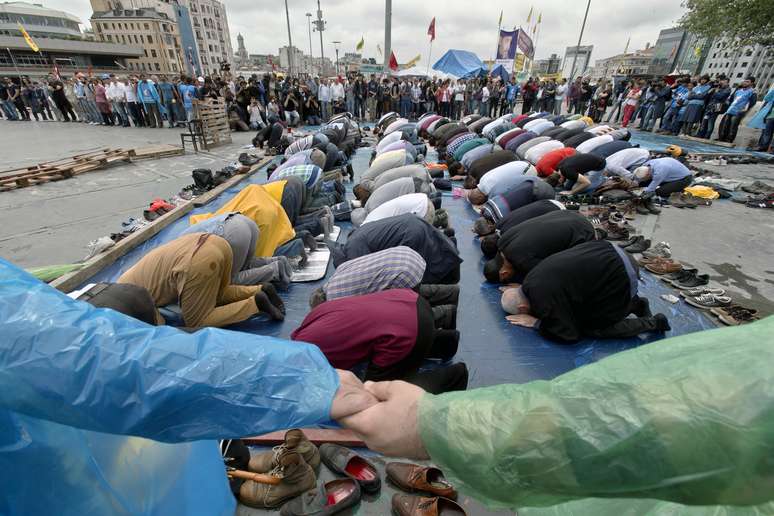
(210, 27)
(581, 57)
(737, 63)
(39, 22)
(630, 64)
(154, 29)
(678, 52)
(548, 66)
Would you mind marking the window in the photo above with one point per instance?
(133, 26)
(110, 38)
(748, 52)
(150, 39)
(738, 75)
(143, 66)
(153, 53)
(145, 52)
(174, 67)
(156, 65)
(744, 65)
(113, 26)
(147, 27)
(725, 54)
(171, 54)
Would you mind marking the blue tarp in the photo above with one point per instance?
(461, 63)
(501, 72)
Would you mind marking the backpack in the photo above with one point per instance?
(203, 178)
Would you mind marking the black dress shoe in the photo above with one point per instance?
(638, 246)
(346, 462)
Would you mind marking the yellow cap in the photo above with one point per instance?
(674, 150)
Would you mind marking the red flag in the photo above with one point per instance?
(393, 62)
(431, 30)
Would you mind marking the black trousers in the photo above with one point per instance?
(67, 111)
(666, 189)
(453, 276)
(729, 125)
(630, 326)
(438, 295)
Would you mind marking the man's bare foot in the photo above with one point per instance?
(274, 298)
(265, 306)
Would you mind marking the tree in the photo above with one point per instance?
(741, 22)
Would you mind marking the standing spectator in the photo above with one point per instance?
(764, 119)
(630, 104)
(349, 96)
(372, 99)
(716, 105)
(27, 96)
(483, 107)
(459, 99)
(741, 101)
(256, 115)
(9, 108)
(384, 95)
(59, 96)
(494, 98)
(561, 91)
(91, 98)
(80, 87)
(471, 88)
(169, 99)
(620, 94)
(15, 93)
(337, 95)
(149, 97)
(405, 98)
(116, 95)
(694, 107)
(103, 104)
(679, 91)
(528, 94)
(573, 96)
(427, 95)
(291, 106)
(69, 88)
(395, 95)
(599, 104)
(416, 98)
(586, 92)
(549, 96)
(189, 96)
(648, 98)
(361, 92)
(135, 109)
(324, 96)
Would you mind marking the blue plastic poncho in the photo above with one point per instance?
(84, 390)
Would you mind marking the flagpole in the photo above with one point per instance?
(14, 65)
(497, 43)
(429, 57)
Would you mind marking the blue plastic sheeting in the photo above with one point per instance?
(501, 72)
(494, 350)
(461, 63)
(659, 142)
(86, 394)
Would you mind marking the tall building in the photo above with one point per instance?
(154, 29)
(738, 63)
(581, 56)
(241, 56)
(677, 51)
(296, 54)
(63, 48)
(210, 26)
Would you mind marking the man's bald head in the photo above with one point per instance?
(477, 197)
(515, 302)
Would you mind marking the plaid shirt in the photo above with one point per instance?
(397, 267)
(456, 144)
(309, 174)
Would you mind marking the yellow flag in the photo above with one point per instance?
(529, 16)
(540, 17)
(28, 39)
(697, 51)
(361, 44)
(414, 61)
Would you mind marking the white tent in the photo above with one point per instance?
(420, 71)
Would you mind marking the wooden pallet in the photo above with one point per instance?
(66, 168)
(212, 113)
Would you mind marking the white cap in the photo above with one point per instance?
(200, 79)
(641, 173)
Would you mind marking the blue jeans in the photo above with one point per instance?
(648, 120)
(596, 177)
(294, 247)
(708, 125)
(10, 110)
(405, 107)
(119, 108)
(766, 135)
(171, 108)
(669, 118)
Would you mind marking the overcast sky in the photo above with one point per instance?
(469, 25)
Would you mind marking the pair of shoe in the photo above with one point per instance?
(708, 300)
(635, 244)
(660, 250)
(685, 200)
(427, 481)
(296, 462)
(248, 159)
(734, 315)
(660, 266)
(646, 207)
(687, 279)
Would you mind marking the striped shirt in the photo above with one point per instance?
(457, 143)
(309, 174)
(396, 267)
(301, 144)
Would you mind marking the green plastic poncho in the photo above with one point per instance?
(687, 420)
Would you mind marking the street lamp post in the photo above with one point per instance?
(577, 48)
(290, 42)
(320, 27)
(311, 55)
(336, 44)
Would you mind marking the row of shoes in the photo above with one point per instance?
(693, 287)
(295, 465)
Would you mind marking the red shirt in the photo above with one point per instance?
(518, 118)
(547, 164)
(381, 327)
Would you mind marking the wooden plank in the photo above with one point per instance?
(709, 142)
(318, 436)
(71, 281)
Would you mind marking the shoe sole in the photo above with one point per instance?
(676, 284)
(722, 293)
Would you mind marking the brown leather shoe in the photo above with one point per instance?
(407, 505)
(295, 441)
(663, 267)
(297, 478)
(415, 478)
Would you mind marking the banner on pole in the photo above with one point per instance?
(518, 64)
(524, 43)
(506, 49)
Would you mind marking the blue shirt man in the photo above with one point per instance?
(663, 170)
(742, 100)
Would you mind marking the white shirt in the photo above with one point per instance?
(385, 162)
(592, 143)
(600, 129)
(415, 203)
(129, 92)
(561, 89)
(459, 92)
(255, 114)
(540, 126)
(494, 176)
(574, 124)
(388, 140)
(395, 125)
(619, 163)
(541, 149)
(324, 93)
(337, 91)
(485, 94)
(115, 92)
(491, 125)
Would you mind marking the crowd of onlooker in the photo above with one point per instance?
(689, 105)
